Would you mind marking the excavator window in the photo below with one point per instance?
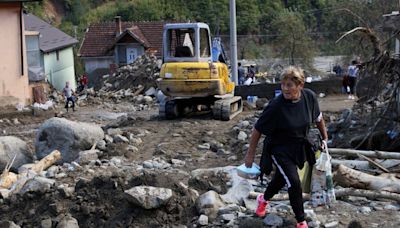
(204, 43)
(181, 42)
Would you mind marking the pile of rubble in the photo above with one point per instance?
(373, 121)
(142, 72)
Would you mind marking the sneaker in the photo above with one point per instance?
(302, 224)
(261, 207)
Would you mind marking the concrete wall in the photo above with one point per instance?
(329, 86)
(60, 70)
(14, 82)
(92, 64)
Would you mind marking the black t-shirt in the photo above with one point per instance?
(286, 123)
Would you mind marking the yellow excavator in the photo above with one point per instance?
(194, 75)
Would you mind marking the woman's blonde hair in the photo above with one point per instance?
(296, 74)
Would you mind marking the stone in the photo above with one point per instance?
(8, 224)
(177, 163)
(85, 157)
(114, 131)
(148, 165)
(365, 210)
(332, 224)
(273, 220)
(108, 139)
(120, 139)
(244, 124)
(37, 184)
(147, 99)
(209, 203)
(11, 146)
(148, 197)
(205, 146)
(46, 223)
(150, 92)
(68, 222)
(203, 220)
(52, 171)
(134, 140)
(228, 217)
(131, 148)
(102, 145)
(242, 136)
(229, 209)
(232, 158)
(392, 207)
(15, 121)
(67, 136)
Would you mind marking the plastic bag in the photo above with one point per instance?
(322, 190)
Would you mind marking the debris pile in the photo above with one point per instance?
(142, 72)
(373, 121)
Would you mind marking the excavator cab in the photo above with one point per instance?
(190, 78)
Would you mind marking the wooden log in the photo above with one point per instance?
(347, 177)
(367, 153)
(374, 163)
(47, 161)
(367, 193)
(7, 179)
(354, 164)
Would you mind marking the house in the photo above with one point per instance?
(14, 83)
(53, 59)
(108, 44)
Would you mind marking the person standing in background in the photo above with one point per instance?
(352, 72)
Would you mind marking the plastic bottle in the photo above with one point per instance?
(330, 190)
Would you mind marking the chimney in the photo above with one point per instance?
(118, 28)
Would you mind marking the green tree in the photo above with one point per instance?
(292, 41)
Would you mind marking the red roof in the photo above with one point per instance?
(100, 38)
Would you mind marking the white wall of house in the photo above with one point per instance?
(59, 67)
(93, 63)
(121, 51)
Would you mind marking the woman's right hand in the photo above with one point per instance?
(248, 160)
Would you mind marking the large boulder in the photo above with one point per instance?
(67, 136)
(148, 197)
(11, 146)
(209, 203)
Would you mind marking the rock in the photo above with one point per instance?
(102, 145)
(4, 193)
(205, 146)
(392, 207)
(147, 99)
(203, 220)
(209, 203)
(15, 121)
(242, 136)
(66, 136)
(148, 197)
(134, 140)
(11, 146)
(229, 209)
(52, 171)
(228, 217)
(331, 224)
(365, 210)
(148, 165)
(239, 191)
(131, 148)
(114, 131)
(177, 163)
(37, 184)
(8, 224)
(68, 222)
(251, 205)
(46, 223)
(244, 124)
(232, 158)
(108, 139)
(120, 139)
(85, 157)
(273, 220)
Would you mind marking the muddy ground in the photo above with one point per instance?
(98, 199)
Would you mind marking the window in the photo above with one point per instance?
(58, 55)
(181, 43)
(32, 50)
(204, 43)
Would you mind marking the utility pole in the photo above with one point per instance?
(233, 40)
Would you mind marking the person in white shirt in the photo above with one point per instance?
(68, 94)
(352, 71)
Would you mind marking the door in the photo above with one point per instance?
(131, 54)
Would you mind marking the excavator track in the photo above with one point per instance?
(227, 108)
